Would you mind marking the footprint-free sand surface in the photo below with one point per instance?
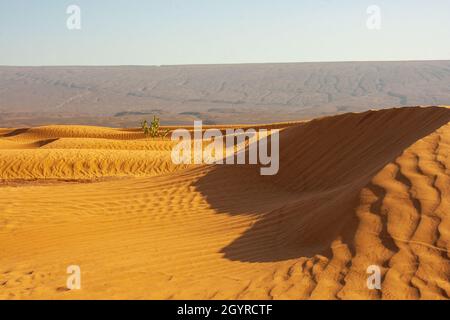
(353, 190)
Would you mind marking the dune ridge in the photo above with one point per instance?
(353, 190)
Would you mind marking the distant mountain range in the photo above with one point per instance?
(244, 93)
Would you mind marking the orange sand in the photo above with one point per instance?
(353, 190)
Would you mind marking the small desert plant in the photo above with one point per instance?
(144, 127)
(154, 127)
(153, 130)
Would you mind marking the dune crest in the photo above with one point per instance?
(353, 190)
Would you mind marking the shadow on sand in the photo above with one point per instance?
(324, 165)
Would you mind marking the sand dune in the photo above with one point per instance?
(353, 190)
(81, 152)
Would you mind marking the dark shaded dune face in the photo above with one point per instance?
(309, 207)
(347, 149)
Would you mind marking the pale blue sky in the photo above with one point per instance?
(155, 32)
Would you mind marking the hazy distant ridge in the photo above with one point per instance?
(280, 91)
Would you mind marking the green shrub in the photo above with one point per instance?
(154, 129)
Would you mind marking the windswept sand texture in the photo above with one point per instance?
(353, 190)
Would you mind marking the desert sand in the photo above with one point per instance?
(353, 190)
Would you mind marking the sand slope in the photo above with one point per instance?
(353, 190)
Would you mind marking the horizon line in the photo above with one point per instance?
(217, 64)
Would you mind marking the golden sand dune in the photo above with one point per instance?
(72, 164)
(80, 152)
(353, 190)
(48, 132)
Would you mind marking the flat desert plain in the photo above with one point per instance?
(121, 96)
(353, 190)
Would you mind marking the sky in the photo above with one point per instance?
(170, 32)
